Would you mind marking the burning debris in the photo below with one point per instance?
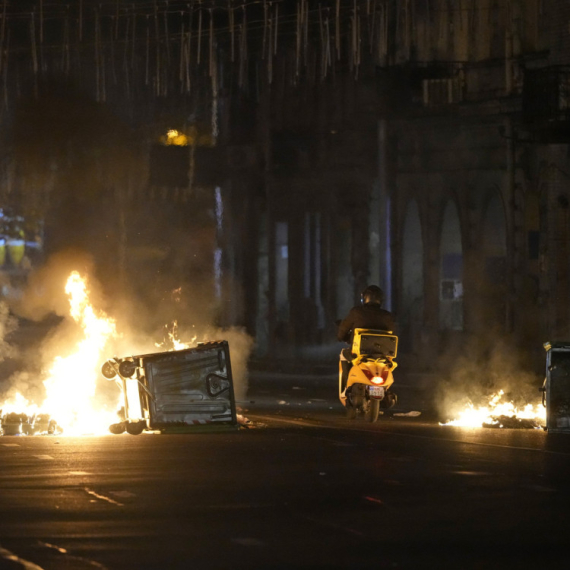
(180, 386)
(70, 383)
(499, 413)
(21, 424)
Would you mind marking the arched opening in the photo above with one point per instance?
(494, 258)
(451, 271)
(412, 295)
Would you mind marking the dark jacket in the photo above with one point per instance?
(369, 316)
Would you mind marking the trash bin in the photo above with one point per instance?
(175, 388)
(556, 388)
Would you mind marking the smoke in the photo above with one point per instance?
(482, 367)
(141, 326)
(8, 324)
(45, 292)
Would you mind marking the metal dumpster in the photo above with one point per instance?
(175, 388)
(556, 388)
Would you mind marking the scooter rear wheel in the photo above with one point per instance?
(372, 411)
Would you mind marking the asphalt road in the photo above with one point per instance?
(304, 488)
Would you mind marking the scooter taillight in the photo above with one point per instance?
(378, 380)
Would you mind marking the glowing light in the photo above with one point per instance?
(491, 414)
(175, 138)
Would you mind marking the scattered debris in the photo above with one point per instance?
(412, 414)
(248, 424)
(512, 422)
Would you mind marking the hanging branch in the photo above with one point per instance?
(276, 29)
(80, 20)
(322, 36)
(358, 41)
(372, 28)
(265, 28)
(147, 71)
(167, 36)
(5, 67)
(182, 51)
(305, 7)
(214, 75)
(42, 35)
(134, 39)
(199, 33)
(328, 55)
(34, 51)
(270, 46)
(243, 49)
(352, 46)
(337, 29)
(66, 63)
(125, 58)
(211, 45)
(2, 33)
(112, 43)
(117, 20)
(231, 20)
(298, 41)
(97, 63)
(189, 47)
(157, 41)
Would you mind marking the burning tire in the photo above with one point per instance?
(118, 429)
(135, 428)
(127, 368)
(108, 370)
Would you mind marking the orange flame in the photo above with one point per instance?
(472, 416)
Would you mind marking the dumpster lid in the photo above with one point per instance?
(557, 345)
(199, 347)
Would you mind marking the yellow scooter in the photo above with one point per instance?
(370, 378)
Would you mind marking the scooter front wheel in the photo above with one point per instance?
(372, 411)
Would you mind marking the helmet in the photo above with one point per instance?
(372, 294)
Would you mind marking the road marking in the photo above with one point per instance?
(11, 444)
(26, 564)
(53, 546)
(71, 557)
(43, 456)
(78, 473)
(103, 498)
(412, 435)
(470, 473)
(375, 500)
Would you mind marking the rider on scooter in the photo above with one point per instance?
(368, 315)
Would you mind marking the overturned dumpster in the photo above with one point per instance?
(174, 390)
(556, 388)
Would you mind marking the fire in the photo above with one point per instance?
(497, 413)
(172, 342)
(71, 380)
